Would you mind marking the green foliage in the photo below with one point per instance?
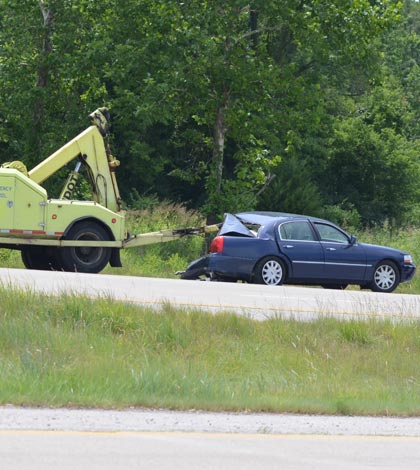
(343, 214)
(162, 259)
(207, 96)
(376, 171)
(162, 215)
(9, 258)
(356, 332)
(292, 190)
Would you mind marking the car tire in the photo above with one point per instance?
(270, 271)
(85, 259)
(386, 277)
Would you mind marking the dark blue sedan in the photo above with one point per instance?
(275, 248)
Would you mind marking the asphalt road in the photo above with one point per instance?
(50, 439)
(256, 301)
(171, 451)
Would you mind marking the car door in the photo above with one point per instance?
(345, 259)
(298, 241)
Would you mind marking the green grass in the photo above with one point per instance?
(164, 259)
(77, 352)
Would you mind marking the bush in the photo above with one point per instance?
(161, 259)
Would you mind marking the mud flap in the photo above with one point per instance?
(115, 260)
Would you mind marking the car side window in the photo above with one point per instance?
(296, 231)
(331, 234)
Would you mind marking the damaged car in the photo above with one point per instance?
(276, 248)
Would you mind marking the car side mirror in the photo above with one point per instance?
(353, 240)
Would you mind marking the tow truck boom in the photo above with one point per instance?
(90, 148)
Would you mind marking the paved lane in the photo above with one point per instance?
(258, 302)
(51, 439)
(171, 451)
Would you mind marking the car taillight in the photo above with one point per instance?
(217, 245)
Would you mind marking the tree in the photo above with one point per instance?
(377, 171)
(206, 96)
(372, 159)
(257, 68)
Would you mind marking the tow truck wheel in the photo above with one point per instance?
(39, 257)
(85, 259)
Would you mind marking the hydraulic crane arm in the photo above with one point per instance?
(90, 148)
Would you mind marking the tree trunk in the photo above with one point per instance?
(253, 26)
(43, 66)
(219, 147)
(216, 171)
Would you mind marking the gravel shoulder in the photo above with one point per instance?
(146, 420)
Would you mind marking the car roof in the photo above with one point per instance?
(265, 217)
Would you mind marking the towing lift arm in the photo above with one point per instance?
(167, 235)
(90, 147)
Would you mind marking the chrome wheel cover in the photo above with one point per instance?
(272, 273)
(385, 277)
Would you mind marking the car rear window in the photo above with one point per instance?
(296, 231)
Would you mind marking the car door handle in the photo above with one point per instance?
(289, 246)
(331, 249)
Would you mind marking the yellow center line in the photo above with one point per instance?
(242, 308)
(269, 309)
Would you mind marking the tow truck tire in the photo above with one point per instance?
(85, 259)
(39, 257)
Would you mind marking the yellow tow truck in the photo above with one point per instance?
(66, 234)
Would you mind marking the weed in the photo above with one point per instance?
(78, 352)
(356, 332)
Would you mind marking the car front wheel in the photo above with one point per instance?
(386, 277)
(270, 271)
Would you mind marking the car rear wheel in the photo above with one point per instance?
(270, 271)
(385, 278)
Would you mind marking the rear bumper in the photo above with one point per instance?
(219, 267)
(197, 268)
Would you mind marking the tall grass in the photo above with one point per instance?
(78, 352)
(161, 260)
(73, 351)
